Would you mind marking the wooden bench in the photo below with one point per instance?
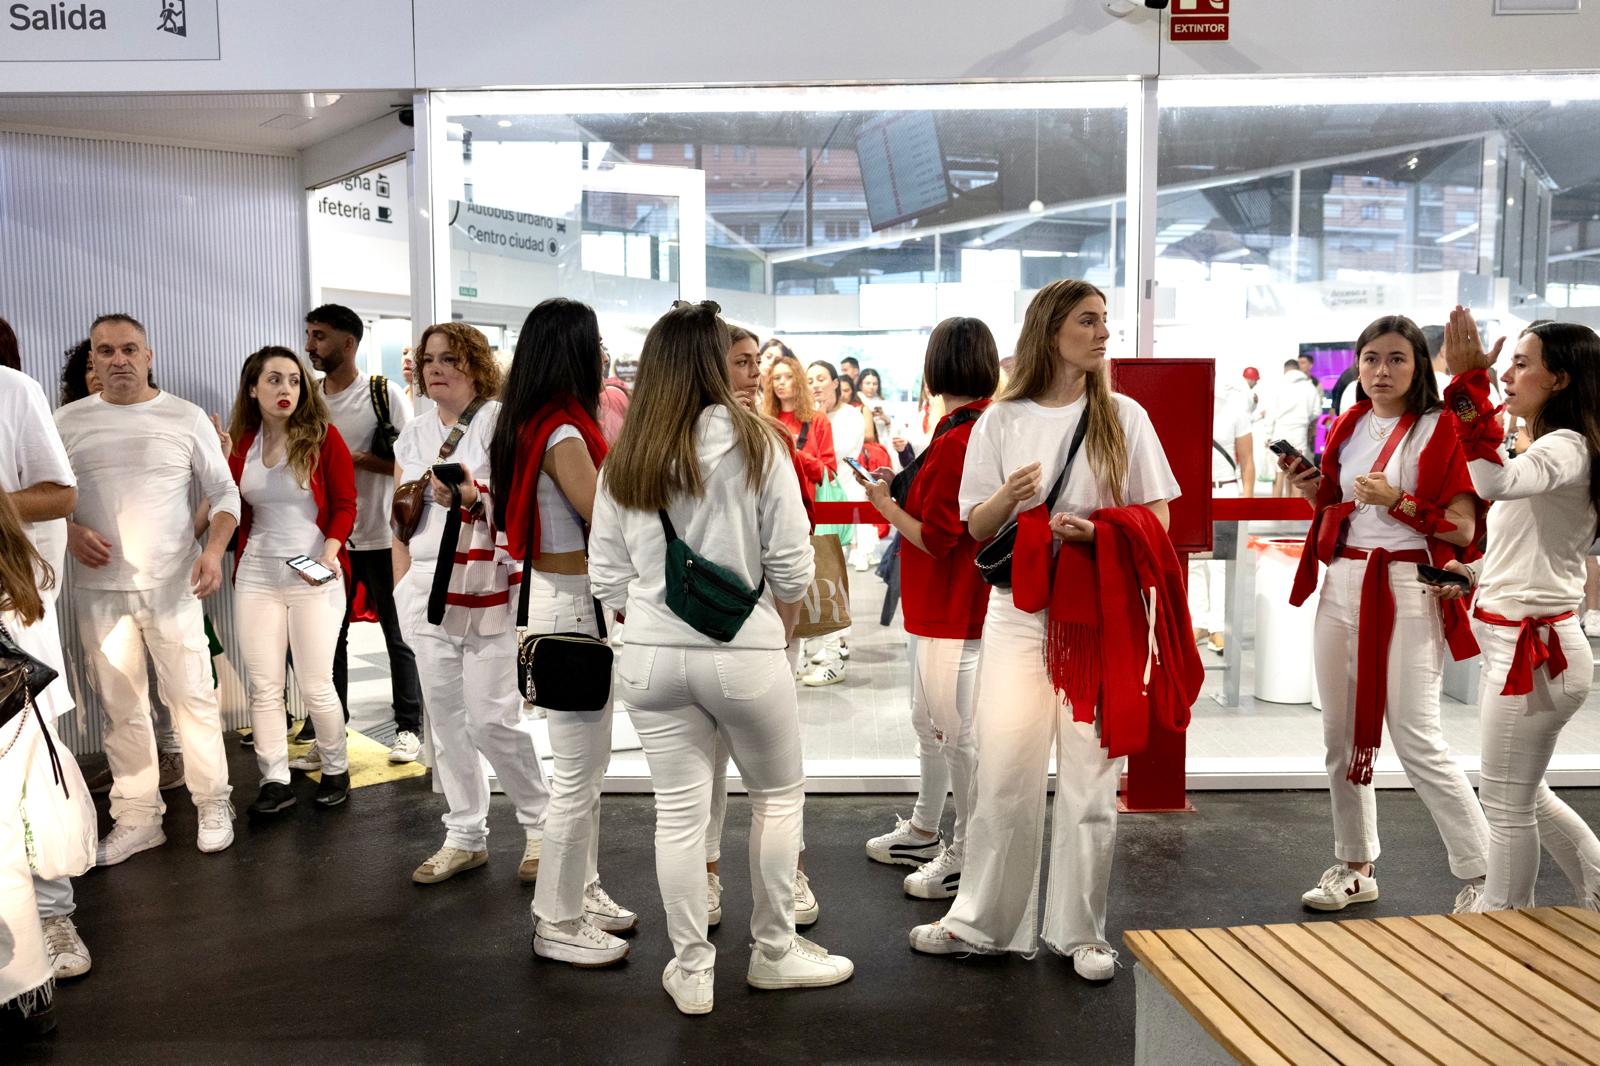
(1496, 989)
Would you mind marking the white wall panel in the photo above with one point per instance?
(207, 248)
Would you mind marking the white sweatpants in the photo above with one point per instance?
(1519, 735)
(470, 685)
(1411, 719)
(1017, 716)
(116, 629)
(679, 699)
(581, 745)
(275, 611)
(944, 684)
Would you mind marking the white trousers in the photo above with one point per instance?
(116, 629)
(944, 686)
(933, 780)
(581, 745)
(719, 778)
(470, 685)
(1411, 726)
(1519, 735)
(275, 611)
(1017, 718)
(679, 699)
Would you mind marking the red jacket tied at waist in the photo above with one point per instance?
(1531, 651)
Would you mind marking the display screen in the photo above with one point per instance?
(902, 167)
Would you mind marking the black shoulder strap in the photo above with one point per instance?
(900, 487)
(1072, 453)
(805, 431)
(378, 393)
(666, 526)
(1232, 463)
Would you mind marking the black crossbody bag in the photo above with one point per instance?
(561, 671)
(994, 558)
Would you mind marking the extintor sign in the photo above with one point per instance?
(109, 31)
(1198, 20)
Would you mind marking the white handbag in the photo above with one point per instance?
(59, 826)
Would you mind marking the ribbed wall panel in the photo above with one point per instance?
(206, 248)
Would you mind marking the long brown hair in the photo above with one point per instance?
(1038, 362)
(771, 406)
(683, 369)
(1423, 394)
(23, 571)
(1574, 350)
(308, 425)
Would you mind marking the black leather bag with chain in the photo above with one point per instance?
(994, 558)
(22, 677)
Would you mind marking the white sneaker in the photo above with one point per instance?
(216, 826)
(691, 991)
(579, 942)
(803, 965)
(407, 746)
(829, 673)
(903, 846)
(938, 878)
(605, 912)
(1341, 886)
(935, 939)
(1095, 963)
(68, 956)
(1467, 899)
(713, 900)
(446, 863)
(126, 841)
(310, 761)
(844, 650)
(818, 657)
(806, 908)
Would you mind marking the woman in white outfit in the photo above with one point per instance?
(1017, 450)
(546, 450)
(469, 675)
(691, 457)
(1528, 588)
(1393, 492)
(849, 433)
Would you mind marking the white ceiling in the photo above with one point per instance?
(281, 122)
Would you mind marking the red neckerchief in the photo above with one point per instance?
(522, 511)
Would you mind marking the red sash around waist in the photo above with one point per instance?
(1531, 652)
(1374, 634)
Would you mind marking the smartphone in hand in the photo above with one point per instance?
(1289, 451)
(866, 475)
(1433, 575)
(311, 570)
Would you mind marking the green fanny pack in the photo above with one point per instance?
(711, 598)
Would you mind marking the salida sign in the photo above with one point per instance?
(100, 31)
(1198, 20)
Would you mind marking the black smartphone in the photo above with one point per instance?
(858, 468)
(314, 571)
(1432, 575)
(449, 473)
(1289, 451)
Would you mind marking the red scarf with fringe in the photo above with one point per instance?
(1119, 637)
(521, 507)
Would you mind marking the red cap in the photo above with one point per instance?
(1252, 374)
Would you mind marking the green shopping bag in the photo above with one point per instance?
(830, 491)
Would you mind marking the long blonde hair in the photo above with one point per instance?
(1038, 362)
(772, 407)
(683, 369)
(308, 425)
(23, 571)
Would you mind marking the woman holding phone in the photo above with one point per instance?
(1528, 587)
(1394, 493)
(297, 489)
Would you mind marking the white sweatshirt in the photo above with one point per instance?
(1540, 528)
(755, 535)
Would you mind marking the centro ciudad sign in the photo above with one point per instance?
(108, 31)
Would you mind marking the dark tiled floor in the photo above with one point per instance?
(307, 942)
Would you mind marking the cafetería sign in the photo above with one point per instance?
(109, 31)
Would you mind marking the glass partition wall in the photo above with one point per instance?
(848, 221)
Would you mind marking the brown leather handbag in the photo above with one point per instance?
(410, 497)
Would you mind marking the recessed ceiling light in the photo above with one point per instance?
(504, 123)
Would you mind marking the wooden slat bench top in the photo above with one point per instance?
(1515, 987)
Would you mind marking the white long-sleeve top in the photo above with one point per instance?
(761, 534)
(1539, 529)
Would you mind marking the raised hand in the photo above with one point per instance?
(1463, 350)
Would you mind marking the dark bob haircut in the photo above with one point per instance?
(962, 359)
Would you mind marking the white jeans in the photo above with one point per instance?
(275, 611)
(581, 744)
(1411, 719)
(719, 777)
(116, 629)
(679, 699)
(1017, 715)
(933, 779)
(1519, 735)
(470, 686)
(943, 688)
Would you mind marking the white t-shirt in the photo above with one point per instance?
(135, 463)
(560, 525)
(1014, 433)
(283, 516)
(356, 422)
(417, 449)
(31, 453)
(1371, 526)
(1230, 420)
(1540, 527)
(849, 434)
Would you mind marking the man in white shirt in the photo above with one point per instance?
(1294, 411)
(333, 333)
(136, 451)
(36, 474)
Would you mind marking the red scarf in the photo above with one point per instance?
(522, 506)
(1119, 634)
(1531, 651)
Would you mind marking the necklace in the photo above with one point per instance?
(1378, 430)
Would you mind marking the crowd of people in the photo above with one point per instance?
(1042, 599)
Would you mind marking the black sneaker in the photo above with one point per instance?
(307, 734)
(274, 796)
(247, 739)
(333, 790)
(19, 1022)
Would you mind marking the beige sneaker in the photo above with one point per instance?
(528, 872)
(446, 863)
(68, 956)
